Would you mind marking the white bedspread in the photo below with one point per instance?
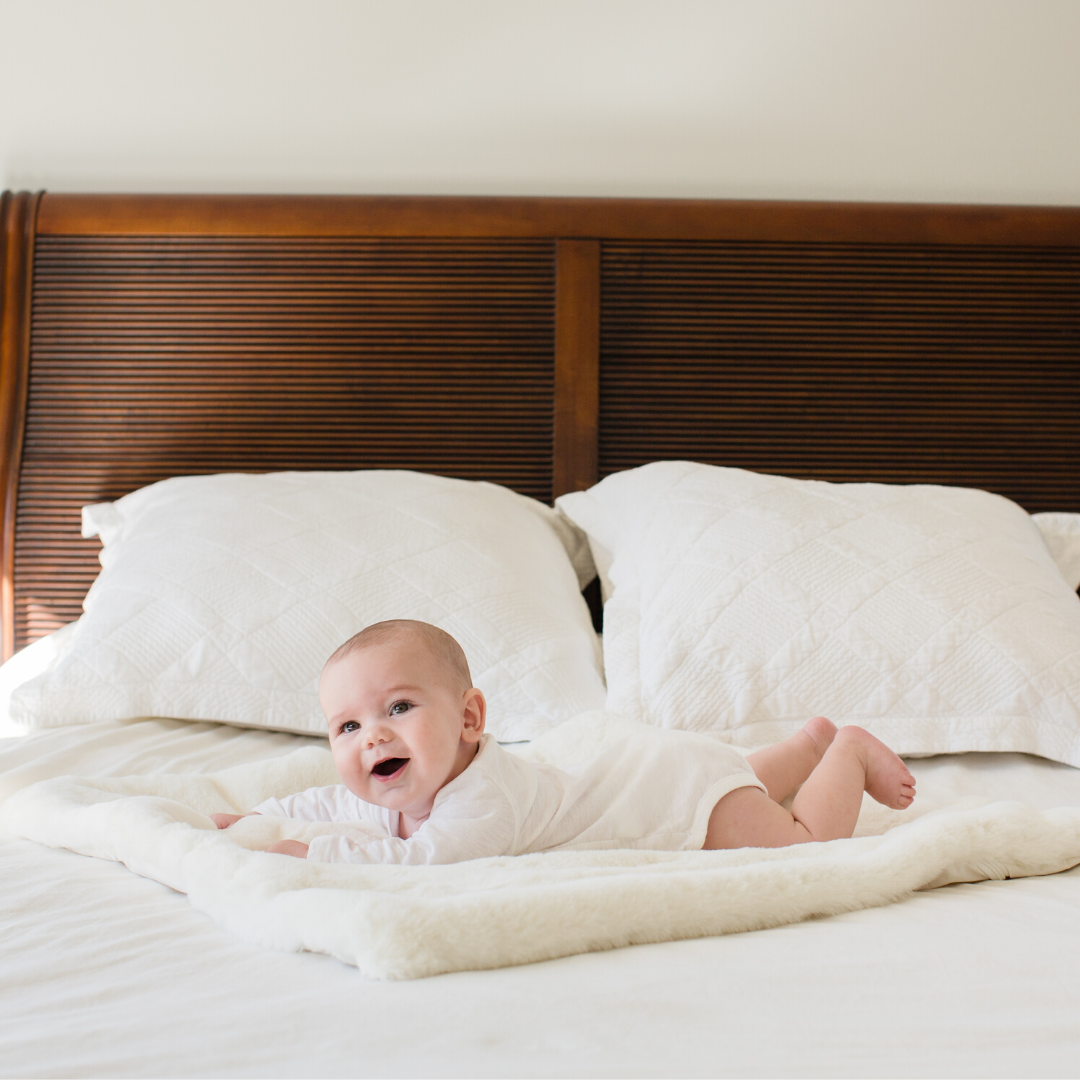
(109, 974)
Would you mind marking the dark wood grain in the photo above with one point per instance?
(577, 365)
(662, 219)
(154, 357)
(905, 363)
(17, 218)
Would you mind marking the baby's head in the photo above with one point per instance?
(403, 714)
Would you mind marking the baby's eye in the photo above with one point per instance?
(349, 726)
(399, 707)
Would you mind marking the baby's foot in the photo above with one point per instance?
(888, 780)
(821, 733)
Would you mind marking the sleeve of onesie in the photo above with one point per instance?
(332, 803)
(460, 828)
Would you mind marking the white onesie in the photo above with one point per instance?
(653, 790)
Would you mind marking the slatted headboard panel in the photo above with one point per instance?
(158, 356)
(538, 343)
(937, 363)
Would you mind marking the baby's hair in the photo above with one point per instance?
(441, 645)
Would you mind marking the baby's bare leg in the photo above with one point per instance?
(783, 768)
(855, 762)
(827, 806)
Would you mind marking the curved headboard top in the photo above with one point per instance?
(553, 218)
(540, 343)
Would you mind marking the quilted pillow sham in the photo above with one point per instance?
(220, 597)
(744, 603)
(1062, 535)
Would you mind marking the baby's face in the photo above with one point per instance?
(400, 729)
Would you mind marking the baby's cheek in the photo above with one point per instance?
(342, 761)
(353, 776)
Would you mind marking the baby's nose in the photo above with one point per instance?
(377, 734)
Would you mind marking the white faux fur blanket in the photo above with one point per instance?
(406, 922)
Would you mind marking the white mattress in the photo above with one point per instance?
(107, 974)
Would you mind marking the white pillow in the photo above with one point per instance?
(1062, 535)
(745, 604)
(221, 597)
(25, 665)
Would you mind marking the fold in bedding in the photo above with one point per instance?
(407, 922)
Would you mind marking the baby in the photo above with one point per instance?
(424, 784)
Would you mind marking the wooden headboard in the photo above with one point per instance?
(539, 343)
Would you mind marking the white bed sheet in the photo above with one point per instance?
(108, 974)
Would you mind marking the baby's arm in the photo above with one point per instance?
(461, 828)
(332, 803)
(315, 804)
(279, 847)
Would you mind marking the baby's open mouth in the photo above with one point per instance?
(390, 766)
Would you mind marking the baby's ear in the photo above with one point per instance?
(473, 715)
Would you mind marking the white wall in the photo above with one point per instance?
(951, 100)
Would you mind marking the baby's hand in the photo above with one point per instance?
(288, 847)
(223, 821)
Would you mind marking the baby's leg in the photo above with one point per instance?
(783, 768)
(827, 806)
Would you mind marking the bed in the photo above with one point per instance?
(543, 345)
